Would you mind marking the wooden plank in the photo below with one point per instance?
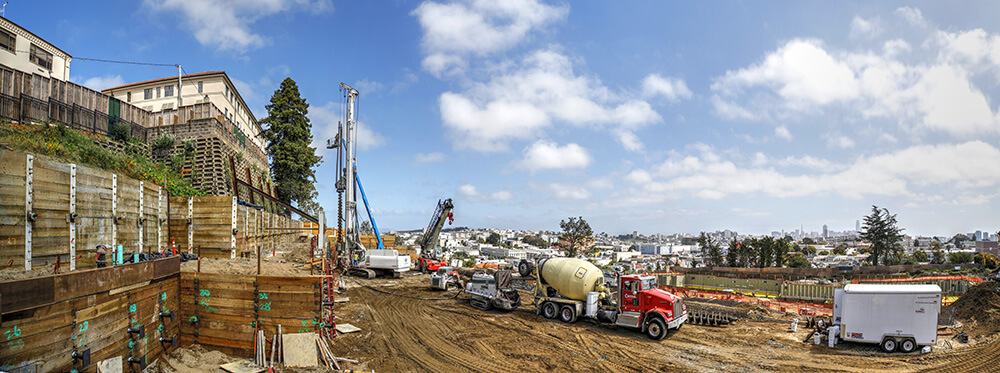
(25, 294)
(166, 267)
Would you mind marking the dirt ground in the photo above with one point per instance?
(288, 260)
(406, 327)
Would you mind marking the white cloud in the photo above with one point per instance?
(783, 133)
(809, 162)
(867, 28)
(429, 157)
(800, 72)
(842, 142)
(672, 89)
(227, 25)
(324, 120)
(98, 83)
(912, 15)
(571, 192)
(367, 86)
(523, 99)
(471, 193)
(907, 173)
(544, 155)
(630, 141)
(455, 30)
(802, 78)
(409, 78)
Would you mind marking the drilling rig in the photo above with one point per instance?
(353, 256)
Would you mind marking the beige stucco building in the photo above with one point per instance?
(215, 87)
(24, 51)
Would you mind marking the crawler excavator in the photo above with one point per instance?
(429, 257)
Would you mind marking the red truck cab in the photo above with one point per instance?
(425, 264)
(645, 306)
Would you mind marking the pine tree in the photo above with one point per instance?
(881, 231)
(289, 135)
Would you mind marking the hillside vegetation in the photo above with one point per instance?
(72, 146)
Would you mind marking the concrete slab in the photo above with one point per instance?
(112, 365)
(347, 328)
(300, 350)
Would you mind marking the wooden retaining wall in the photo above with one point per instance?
(220, 227)
(222, 311)
(44, 320)
(109, 210)
(63, 212)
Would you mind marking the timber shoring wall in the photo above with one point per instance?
(109, 212)
(220, 227)
(45, 319)
(222, 312)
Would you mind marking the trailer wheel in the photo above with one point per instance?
(907, 345)
(889, 344)
(567, 314)
(549, 310)
(656, 330)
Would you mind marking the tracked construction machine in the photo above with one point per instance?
(493, 291)
(429, 256)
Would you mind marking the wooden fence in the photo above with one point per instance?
(45, 320)
(57, 214)
(224, 311)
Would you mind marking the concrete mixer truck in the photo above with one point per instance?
(569, 288)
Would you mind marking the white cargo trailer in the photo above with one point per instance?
(897, 317)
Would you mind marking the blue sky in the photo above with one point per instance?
(653, 116)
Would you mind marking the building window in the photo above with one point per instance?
(201, 87)
(227, 91)
(147, 93)
(158, 90)
(40, 57)
(128, 96)
(8, 41)
(168, 91)
(226, 114)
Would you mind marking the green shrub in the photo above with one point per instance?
(119, 131)
(163, 142)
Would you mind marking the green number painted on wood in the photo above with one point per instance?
(131, 307)
(266, 306)
(204, 293)
(263, 295)
(12, 333)
(84, 326)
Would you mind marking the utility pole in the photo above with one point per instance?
(179, 90)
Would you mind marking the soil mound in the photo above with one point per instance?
(978, 309)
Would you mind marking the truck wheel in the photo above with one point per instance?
(889, 344)
(549, 310)
(524, 269)
(907, 345)
(567, 314)
(656, 329)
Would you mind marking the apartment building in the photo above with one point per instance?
(24, 51)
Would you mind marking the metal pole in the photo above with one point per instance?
(349, 138)
(179, 90)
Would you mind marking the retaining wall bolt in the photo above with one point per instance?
(167, 340)
(133, 360)
(31, 216)
(169, 315)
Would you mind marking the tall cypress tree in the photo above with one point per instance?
(289, 135)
